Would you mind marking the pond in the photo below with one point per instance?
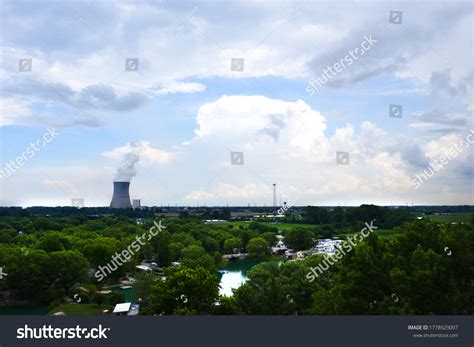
(129, 294)
(234, 275)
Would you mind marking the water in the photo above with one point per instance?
(129, 294)
(234, 275)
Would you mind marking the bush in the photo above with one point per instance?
(258, 247)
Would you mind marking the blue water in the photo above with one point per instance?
(234, 275)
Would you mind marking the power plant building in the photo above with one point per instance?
(121, 196)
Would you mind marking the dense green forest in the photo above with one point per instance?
(426, 268)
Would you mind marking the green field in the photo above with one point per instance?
(280, 226)
(466, 217)
(462, 217)
(288, 226)
(385, 232)
(74, 309)
(379, 232)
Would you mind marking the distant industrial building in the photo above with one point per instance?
(136, 203)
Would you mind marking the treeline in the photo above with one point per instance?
(427, 269)
(385, 217)
(442, 209)
(69, 211)
(44, 256)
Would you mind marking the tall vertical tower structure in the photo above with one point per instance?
(274, 196)
(121, 196)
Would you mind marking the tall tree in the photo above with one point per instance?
(299, 238)
(258, 247)
(186, 290)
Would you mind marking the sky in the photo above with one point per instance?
(167, 90)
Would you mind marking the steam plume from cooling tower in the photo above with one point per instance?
(127, 170)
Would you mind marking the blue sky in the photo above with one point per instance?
(184, 109)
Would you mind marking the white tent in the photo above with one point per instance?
(122, 308)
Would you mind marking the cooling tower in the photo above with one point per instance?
(121, 197)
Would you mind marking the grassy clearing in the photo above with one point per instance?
(288, 226)
(466, 217)
(386, 232)
(280, 226)
(74, 309)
